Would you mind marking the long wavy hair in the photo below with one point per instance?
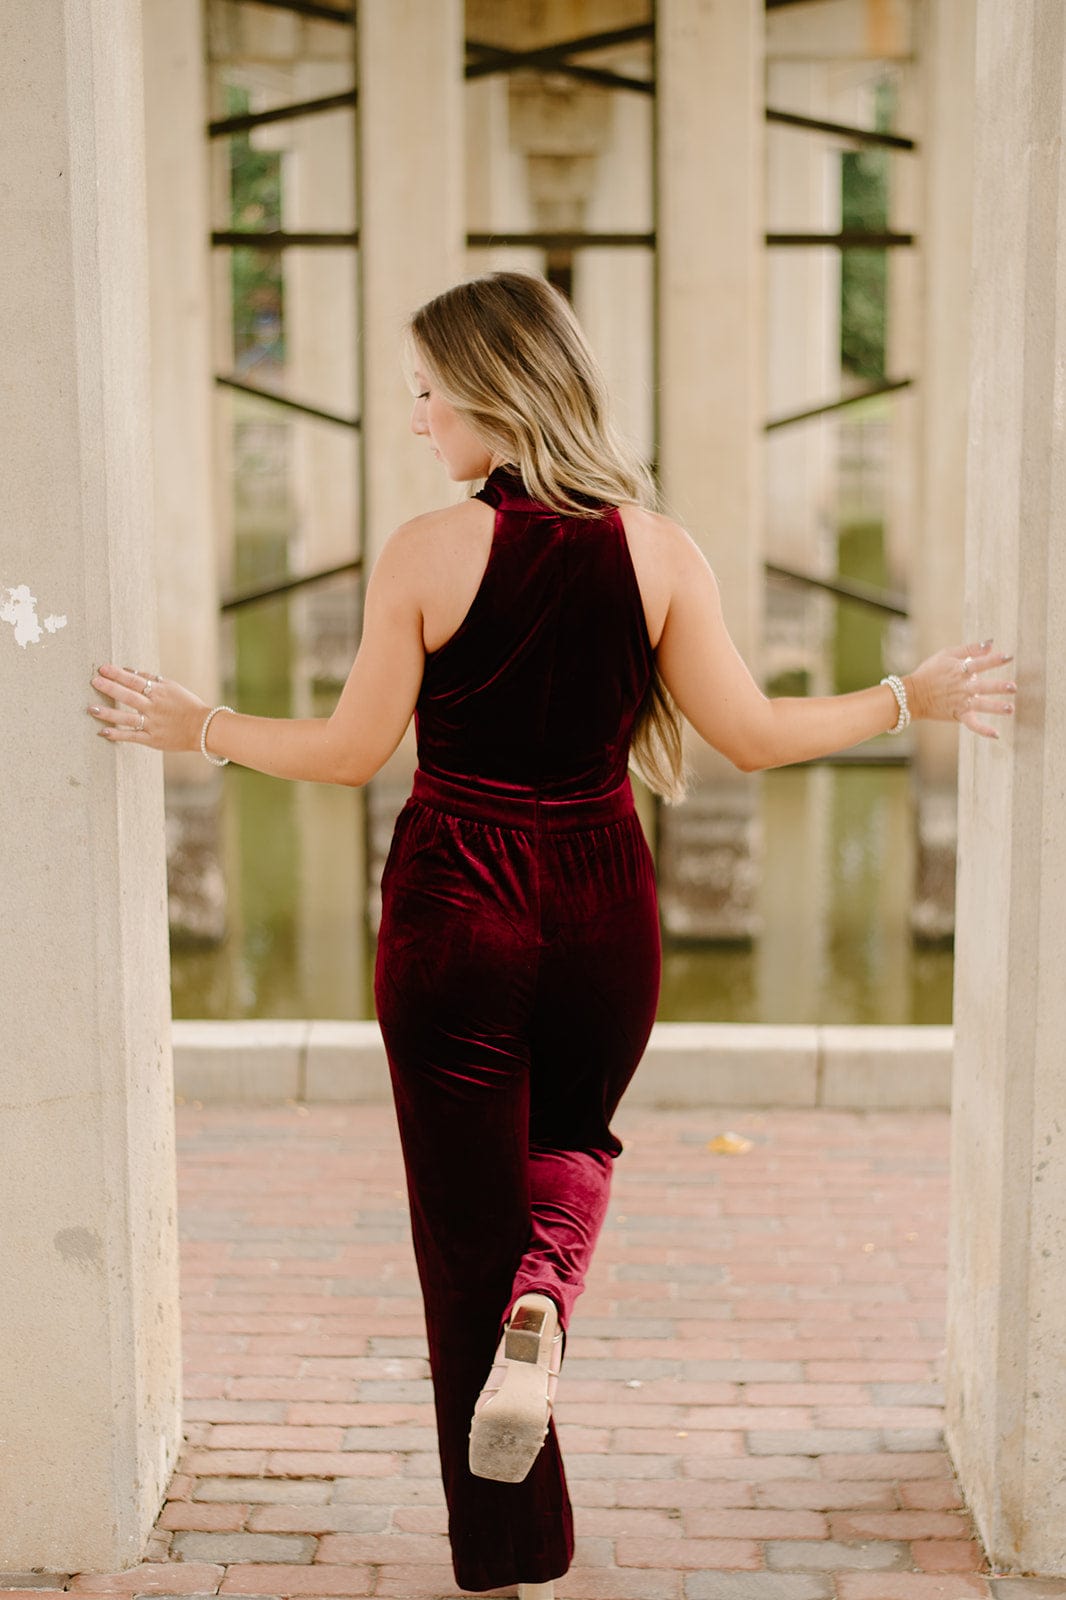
(508, 354)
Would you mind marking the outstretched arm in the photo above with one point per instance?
(711, 683)
(348, 747)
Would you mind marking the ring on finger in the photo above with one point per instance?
(967, 664)
(140, 723)
(147, 690)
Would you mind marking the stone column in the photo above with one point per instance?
(410, 158)
(942, 403)
(613, 288)
(1006, 1378)
(321, 366)
(410, 162)
(497, 176)
(710, 99)
(90, 1379)
(904, 348)
(182, 416)
(803, 370)
(321, 348)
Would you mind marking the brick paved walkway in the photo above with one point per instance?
(750, 1409)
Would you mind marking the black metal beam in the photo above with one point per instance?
(506, 61)
(859, 758)
(272, 591)
(852, 239)
(275, 239)
(559, 241)
(495, 59)
(849, 239)
(863, 594)
(226, 127)
(548, 57)
(838, 405)
(890, 141)
(226, 381)
(309, 8)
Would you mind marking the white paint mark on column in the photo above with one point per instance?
(19, 608)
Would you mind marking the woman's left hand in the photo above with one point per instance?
(950, 686)
(148, 710)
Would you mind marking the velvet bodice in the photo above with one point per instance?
(538, 688)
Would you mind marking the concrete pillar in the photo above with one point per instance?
(942, 402)
(410, 160)
(614, 288)
(497, 186)
(904, 326)
(1006, 1377)
(182, 417)
(320, 316)
(803, 369)
(710, 98)
(221, 352)
(90, 1381)
(412, 246)
(795, 893)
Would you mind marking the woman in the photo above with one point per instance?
(540, 632)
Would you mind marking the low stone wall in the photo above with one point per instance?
(686, 1064)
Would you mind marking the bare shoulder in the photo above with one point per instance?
(438, 536)
(662, 553)
(435, 549)
(658, 535)
(437, 561)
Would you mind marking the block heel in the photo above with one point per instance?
(510, 1421)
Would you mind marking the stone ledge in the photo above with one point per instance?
(687, 1064)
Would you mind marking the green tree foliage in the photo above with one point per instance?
(255, 187)
(864, 185)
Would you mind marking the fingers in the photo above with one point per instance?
(122, 685)
(120, 718)
(120, 725)
(970, 721)
(984, 698)
(125, 721)
(994, 659)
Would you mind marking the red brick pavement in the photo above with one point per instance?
(751, 1403)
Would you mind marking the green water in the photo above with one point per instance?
(835, 872)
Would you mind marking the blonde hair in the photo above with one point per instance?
(508, 354)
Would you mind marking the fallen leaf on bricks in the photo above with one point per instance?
(730, 1144)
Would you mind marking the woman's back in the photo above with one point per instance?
(538, 687)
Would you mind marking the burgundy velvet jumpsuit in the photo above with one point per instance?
(517, 975)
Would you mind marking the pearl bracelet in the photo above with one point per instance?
(214, 760)
(900, 692)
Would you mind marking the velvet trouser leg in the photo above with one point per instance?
(517, 978)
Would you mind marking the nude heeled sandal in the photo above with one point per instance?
(536, 1591)
(510, 1421)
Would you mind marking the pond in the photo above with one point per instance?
(833, 896)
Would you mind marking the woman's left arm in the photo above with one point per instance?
(716, 691)
(348, 747)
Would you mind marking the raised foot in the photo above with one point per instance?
(510, 1421)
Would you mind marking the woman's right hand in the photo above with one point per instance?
(950, 687)
(148, 710)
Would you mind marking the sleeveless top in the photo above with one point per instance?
(536, 692)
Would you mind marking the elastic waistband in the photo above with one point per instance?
(528, 811)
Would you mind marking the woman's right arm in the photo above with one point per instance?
(705, 673)
(349, 746)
